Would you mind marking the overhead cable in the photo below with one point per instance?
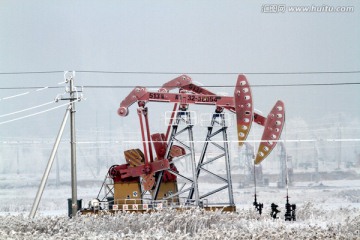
(37, 113)
(193, 73)
(208, 86)
(37, 89)
(26, 109)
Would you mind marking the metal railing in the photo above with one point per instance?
(131, 204)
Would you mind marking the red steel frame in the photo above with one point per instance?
(241, 104)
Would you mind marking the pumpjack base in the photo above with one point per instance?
(222, 208)
(166, 189)
(127, 190)
(140, 210)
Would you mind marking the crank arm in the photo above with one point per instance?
(149, 168)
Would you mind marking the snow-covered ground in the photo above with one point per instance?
(313, 223)
(325, 210)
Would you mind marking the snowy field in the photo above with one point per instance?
(313, 223)
(325, 210)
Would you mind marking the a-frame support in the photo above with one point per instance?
(217, 127)
(181, 128)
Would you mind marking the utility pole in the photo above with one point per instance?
(97, 145)
(57, 171)
(316, 161)
(74, 97)
(73, 147)
(17, 159)
(339, 139)
(339, 146)
(296, 151)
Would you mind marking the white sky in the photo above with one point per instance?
(176, 36)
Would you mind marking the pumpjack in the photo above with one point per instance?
(151, 181)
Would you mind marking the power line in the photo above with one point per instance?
(36, 72)
(179, 73)
(26, 109)
(14, 96)
(208, 86)
(221, 73)
(37, 113)
(232, 86)
(37, 89)
(17, 88)
(193, 73)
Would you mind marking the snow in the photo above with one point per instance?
(325, 210)
(312, 223)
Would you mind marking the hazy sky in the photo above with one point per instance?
(181, 37)
(173, 36)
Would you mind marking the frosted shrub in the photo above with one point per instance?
(187, 224)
